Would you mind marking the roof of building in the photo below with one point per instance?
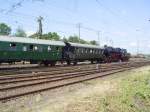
(30, 40)
(85, 45)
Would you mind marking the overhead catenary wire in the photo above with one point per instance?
(122, 19)
(28, 17)
(19, 4)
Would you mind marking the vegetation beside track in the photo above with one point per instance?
(130, 93)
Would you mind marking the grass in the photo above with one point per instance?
(132, 95)
(129, 93)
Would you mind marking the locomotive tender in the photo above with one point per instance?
(13, 49)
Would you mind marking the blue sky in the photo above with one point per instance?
(122, 23)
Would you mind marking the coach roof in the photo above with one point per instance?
(30, 40)
(84, 45)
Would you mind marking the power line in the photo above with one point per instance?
(19, 4)
(113, 13)
(14, 6)
(108, 9)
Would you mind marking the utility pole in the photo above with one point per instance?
(98, 34)
(40, 29)
(79, 30)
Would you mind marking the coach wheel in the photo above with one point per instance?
(75, 63)
(68, 62)
(46, 63)
(120, 61)
(40, 63)
(52, 63)
(23, 62)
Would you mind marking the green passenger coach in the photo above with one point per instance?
(38, 51)
(28, 49)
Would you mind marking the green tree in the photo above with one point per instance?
(47, 36)
(20, 32)
(35, 35)
(93, 42)
(4, 29)
(74, 39)
(83, 41)
(51, 36)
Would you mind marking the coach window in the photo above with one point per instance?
(57, 48)
(85, 50)
(101, 51)
(90, 50)
(82, 50)
(13, 46)
(40, 48)
(24, 48)
(76, 50)
(95, 51)
(35, 48)
(49, 49)
(31, 47)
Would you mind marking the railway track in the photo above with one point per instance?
(15, 86)
(38, 69)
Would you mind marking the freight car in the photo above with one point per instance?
(13, 49)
